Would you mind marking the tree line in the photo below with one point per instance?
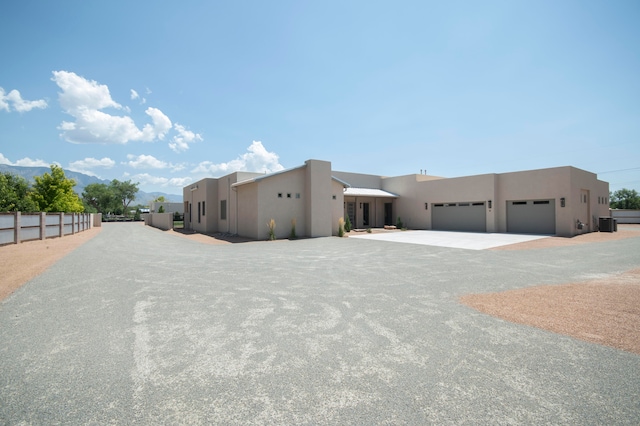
(53, 192)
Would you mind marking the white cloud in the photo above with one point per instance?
(256, 159)
(181, 141)
(4, 160)
(85, 166)
(135, 95)
(19, 104)
(161, 124)
(147, 179)
(28, 162)
(80, 94)
(146, 162)
(84, 99)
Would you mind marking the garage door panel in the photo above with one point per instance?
(531, 217)
(463, 216)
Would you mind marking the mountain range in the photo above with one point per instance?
(82, 180)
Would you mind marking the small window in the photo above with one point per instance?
(288, 195)
(438, 205)
(541, 202)
(223, 209)
(298, 195)
(463, 204)
(333, 197)
(519, 203)
(279, 194)
(203, 208)
(477, 204)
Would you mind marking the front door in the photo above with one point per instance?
(365, 214)
(388, 213)
(351, 212)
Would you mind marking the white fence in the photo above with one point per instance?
(17, 227)
(626, 216)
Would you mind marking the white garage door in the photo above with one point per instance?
(531, 217)
(462, 216)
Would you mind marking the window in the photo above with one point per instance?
(203, 208)
(198, 211)
(541, 202)
(279, 194)
(288, 195)
(223, 209)
(333, 197)
(519, 203)
(298, 195)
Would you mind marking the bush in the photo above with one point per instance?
(272, 230)
(347, 225)
(161, 209)
(341, 227)
(292, 235)
(399, 224)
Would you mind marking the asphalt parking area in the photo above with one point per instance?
(138, 326)
(461, 240)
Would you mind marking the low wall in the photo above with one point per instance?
(162, 221)
(626, 216)
(16, 227)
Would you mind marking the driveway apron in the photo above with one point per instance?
(139, 326)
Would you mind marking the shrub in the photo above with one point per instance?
(292, 235)
(341, 227)
(347, 225)
(368, 230)
(399, 224)
(161, 209)
(272, 230)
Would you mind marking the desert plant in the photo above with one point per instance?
(161, 209)
(369, 230)
(399, 223)
(272, 230)
(347, 225)
(341, 227)
(292, 235)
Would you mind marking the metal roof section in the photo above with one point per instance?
(368, 192)
(340, 181)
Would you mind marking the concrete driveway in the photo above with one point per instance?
(141, 327)
(463, 240)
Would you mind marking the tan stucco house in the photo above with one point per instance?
(563, 201)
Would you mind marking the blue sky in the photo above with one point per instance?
(166, 93)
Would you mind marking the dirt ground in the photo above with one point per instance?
(604, 311)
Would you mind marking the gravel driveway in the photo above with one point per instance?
(139, 326)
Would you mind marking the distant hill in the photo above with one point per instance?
(82, 180)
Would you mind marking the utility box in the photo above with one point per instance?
(605, 224)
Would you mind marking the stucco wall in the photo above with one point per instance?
(278, 200)
(337, 205)
(318, 191)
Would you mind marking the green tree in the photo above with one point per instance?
(14, 194)
(625, 199)
(100, 197)
(124, 192)
(161, 209)
(160, 199)
(54, 192)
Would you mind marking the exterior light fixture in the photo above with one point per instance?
(562, 202)
(426, 206)
(489, 203)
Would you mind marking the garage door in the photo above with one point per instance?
(463, 216)
(531, 217)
